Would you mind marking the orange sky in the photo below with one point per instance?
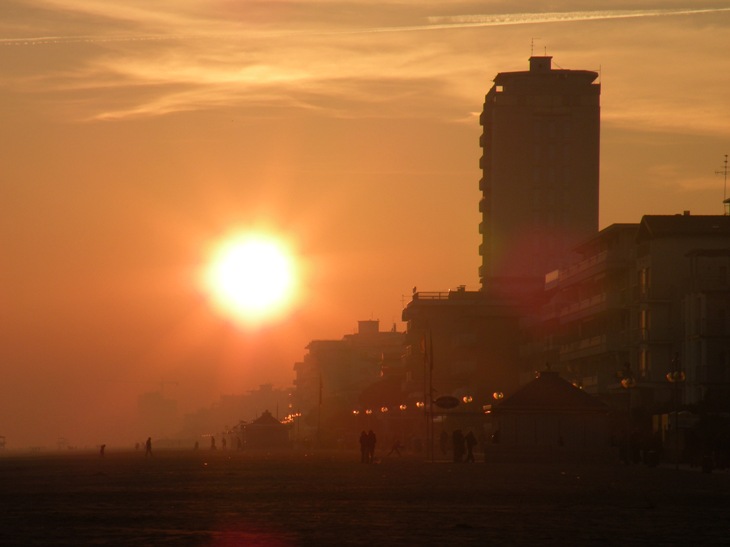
(135, 136)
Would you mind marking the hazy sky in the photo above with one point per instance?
(135, 135)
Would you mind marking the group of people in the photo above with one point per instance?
(463, 444)
(367, 446)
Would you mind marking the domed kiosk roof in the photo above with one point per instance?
(551, 393)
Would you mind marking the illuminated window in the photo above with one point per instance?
(644, 324)
(644, 281)
(644, 363)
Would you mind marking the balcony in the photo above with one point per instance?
(571, 311)
(594, 345)
(431, 295)
(584, 347)
(484, 205)
(653, 335)
(590, 266)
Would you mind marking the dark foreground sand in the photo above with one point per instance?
(223, 499)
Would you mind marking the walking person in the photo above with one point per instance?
(148, 447)
(364, 452)
(471, 442)
(371, 446)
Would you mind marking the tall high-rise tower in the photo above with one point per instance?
(539, 171)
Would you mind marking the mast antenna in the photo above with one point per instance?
(724, 174)
(532, 45)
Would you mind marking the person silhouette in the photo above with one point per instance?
(371, 446)
(471, 442)
(364, 447)
(148, 447)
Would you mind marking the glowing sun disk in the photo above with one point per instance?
(252, 277)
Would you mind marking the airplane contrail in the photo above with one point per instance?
(495, 20)
(560, 17)
(434, 23)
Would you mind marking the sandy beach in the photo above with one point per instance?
(232, 498)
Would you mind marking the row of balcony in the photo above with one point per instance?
(614, 341)
(582, 266)
(594, 304)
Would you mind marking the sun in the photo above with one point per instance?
(252, 277)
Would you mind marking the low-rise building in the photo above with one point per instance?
(334, 373)
(463, 344)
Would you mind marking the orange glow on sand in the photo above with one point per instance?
(252, 277)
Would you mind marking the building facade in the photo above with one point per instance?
(460, 343)
(540, 141)
(646, 303)
(682, 301)
(591, 331)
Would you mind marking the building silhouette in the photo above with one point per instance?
(461, 343)
(651, 299)
(334, 373)
(632, 323)
(539, 172)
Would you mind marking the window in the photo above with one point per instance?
(644, 281)
(644, 324)
(644, 363)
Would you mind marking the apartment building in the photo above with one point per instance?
(540, 141)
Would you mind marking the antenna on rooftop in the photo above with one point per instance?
(724, 173)
(725, 200)
(532, 46)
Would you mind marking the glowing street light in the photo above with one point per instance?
(627, 381)
(676, 377)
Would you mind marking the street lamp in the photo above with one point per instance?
(627, 381)
(676, 377)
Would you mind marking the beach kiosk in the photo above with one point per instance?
(550, 418)
(266, 432)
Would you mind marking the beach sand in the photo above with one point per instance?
(232, 498)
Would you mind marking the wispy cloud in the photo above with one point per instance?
(160, 58)
(450, 22)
